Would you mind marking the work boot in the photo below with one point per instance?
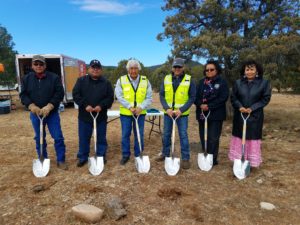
(81, 163)
(62, 165)
(160, 158)
(124, 160)
(186, 164)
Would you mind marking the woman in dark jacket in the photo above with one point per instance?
(250, 94)
(212, 94)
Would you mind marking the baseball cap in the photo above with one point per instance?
(178, 62)
(95, 63)
(38, 58)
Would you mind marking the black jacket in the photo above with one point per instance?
(94, 93)
(255, 95)
(216, 101)
(42, 91)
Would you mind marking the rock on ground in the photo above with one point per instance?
(87, 213)
(115, 208)
(267, 206)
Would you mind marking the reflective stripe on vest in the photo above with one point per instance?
(135, 98)
(181, 95)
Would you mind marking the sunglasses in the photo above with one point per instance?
(38, 64)
(177, 67)
(96, 67)
(210, 70)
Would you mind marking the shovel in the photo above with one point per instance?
(241, 167)
(172, 164)
(142, 162)
(205, 160)
(41, 166)
(96, 163)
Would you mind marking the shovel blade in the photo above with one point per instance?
(172, 165)
(241, 169)
(41, 168)
(96, 165)
(142, 164)
(205, 163)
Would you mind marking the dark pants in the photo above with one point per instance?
(53, 123)
(214, 129)
(85, 131)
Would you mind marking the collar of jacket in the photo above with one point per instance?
(179, 77)
(256, 79)
(213, 79)
(99, 79)
(40, 76)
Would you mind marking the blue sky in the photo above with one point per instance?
(86, 29)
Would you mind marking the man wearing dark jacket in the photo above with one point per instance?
(42, 92)
(93, 94)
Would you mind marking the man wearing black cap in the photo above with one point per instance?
(93, 94)
(177, 95)
(42, 92)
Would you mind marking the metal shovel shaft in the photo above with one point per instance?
(173, 135)
(41, 137)
(205, 131)
(138, 132)
(95, 131)
(244, 134)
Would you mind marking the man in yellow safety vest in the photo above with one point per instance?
(134, 93)
(177, 95)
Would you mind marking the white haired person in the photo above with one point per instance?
(134, 93)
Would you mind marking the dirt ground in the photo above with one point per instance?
(190, 197)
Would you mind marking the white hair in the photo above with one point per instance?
(133, 63)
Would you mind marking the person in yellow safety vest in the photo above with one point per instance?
(134, 93)
(177, 95)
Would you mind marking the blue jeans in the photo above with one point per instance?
(126, 123)
(182, 125)
(53, 123)
(85, 131)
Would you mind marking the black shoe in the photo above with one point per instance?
(81, 163)
(215, 162)
(124, 160)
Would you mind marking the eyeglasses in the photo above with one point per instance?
(210, 70)
(38, 64)
(177, 67)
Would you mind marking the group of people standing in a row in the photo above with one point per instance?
(42, 92)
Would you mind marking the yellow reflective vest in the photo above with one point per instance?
(134, 97)
(181, 96)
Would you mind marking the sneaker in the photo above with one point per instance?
(62, 165)
(186, 164)
(81, 163)
(160, 158)
(124, 160)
